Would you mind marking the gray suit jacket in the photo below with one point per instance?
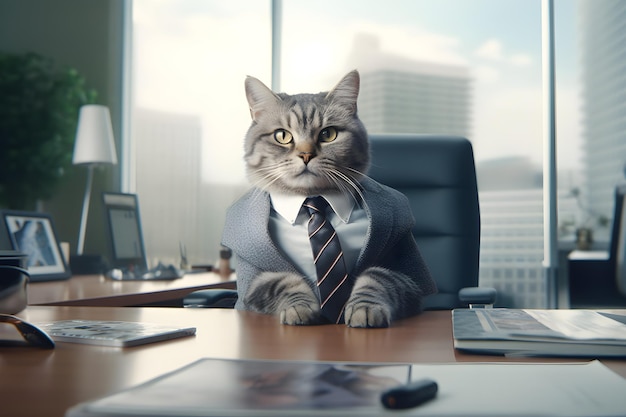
(389, 242)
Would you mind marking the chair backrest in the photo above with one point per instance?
(618, 239)
(438, 175)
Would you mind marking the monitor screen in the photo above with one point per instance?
(124, 226)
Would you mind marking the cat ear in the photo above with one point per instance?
(259, 97)
(346, 91)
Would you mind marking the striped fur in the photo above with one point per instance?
(285, 294)
(378, 295)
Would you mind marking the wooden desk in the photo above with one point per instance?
(97, 290)
(46, 382)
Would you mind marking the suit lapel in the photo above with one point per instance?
(249, 237)
(251, 241)
(379, 209)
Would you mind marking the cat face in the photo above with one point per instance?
(306, 144)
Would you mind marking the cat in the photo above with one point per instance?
(306, 145)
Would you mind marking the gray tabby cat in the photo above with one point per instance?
(307, 145)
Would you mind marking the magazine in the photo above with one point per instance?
(112, 333)
(537, 332)
(273, 388)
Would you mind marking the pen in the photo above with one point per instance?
(409, 395)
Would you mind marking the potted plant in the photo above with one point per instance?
(583, 230)
(39, 106)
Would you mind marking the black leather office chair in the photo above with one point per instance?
(438, 176)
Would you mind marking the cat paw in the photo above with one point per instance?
(300, 314)
(286, 295)
(367, 315)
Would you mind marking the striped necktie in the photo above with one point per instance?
(332, 277)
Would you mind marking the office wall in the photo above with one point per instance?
(86, 35)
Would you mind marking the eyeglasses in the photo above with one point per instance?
(31, 333)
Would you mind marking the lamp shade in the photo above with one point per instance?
(95, 143)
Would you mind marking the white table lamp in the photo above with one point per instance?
(94, 145)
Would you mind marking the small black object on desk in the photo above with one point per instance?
(32, 334)
(410, 395)
(87, 264)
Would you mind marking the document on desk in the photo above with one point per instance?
(539, 332)
(220, 387)
(113, 333)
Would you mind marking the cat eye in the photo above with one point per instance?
(283, 137)
(328, 134)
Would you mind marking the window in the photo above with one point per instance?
(189, 116)
(449, 67)
(591, 60)
(464, 67)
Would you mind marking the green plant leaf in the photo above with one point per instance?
(39, 106)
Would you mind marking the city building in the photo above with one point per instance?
(603, 58)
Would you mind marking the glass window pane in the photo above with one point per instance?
(450, 66)
(590, 67)
(470, 68)
(592, 145)
(189, 116)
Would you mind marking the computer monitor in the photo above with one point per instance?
(124, 227)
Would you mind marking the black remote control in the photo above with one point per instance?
(410, 395)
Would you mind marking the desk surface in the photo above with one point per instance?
(46, 382)
(97, 290)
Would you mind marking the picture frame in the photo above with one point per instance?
(34, 234)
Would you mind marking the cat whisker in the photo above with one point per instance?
(266, 176)
(257, 194)
(345, 183)
(359, 173)
(266, 181)
(273, 166)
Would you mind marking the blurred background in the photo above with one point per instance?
(173, 72)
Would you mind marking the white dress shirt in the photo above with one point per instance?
(289, 231)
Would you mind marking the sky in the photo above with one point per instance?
(192, 56)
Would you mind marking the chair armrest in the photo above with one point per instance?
(478, 296)
(212, 298)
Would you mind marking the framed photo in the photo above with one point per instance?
(34, 234)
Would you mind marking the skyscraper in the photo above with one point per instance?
(418, 101)
(170, 178)
(402, 95)
(603, 56)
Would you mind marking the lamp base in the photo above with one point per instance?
(88, 264)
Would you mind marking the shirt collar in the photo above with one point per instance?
(288, 206)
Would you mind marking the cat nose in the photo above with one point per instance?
(306, 156)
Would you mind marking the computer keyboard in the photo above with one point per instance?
(159, 272)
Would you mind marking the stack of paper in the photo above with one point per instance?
(514, 332)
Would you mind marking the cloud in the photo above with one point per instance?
(520, 60)
(508, 121)
(486, 73)
(491, 50)
(309, 64)
(494, 50)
